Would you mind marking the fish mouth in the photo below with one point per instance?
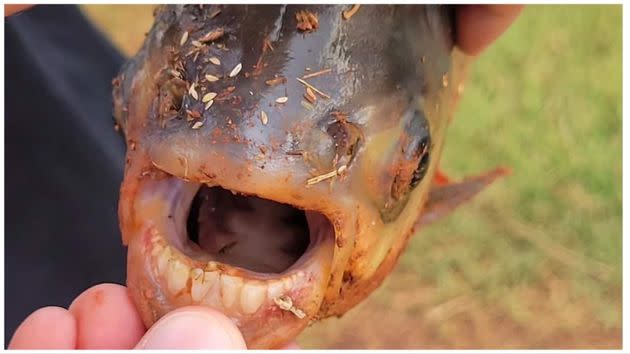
(264, 264)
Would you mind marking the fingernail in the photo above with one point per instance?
(193, 330)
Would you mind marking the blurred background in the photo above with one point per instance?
(535, 261)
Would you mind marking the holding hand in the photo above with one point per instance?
(104, 317)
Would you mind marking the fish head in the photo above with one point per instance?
(279, 157)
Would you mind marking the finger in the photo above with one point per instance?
(193, 328)
(106, 318)
(47, 328)
(480, 25)
(12, 9)
(291, 346)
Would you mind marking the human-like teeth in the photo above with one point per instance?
(275, 289)
(201, 283)
(230, 287)
(163, 259)
(288, 283)
(208, 284)
(177, 276)
(252, 296)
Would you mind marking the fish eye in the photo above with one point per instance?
(423, 164)
(410, 164)
(414, 157)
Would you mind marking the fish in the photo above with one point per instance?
(280, 157)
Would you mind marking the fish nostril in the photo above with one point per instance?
(171, 99)
(346, 136)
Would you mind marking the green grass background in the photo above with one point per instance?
(535, 261)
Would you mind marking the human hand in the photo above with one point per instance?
(480, 25)
(104, 317)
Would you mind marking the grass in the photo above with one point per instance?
(536, 260)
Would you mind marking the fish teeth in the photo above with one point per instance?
(163, 260)
(275, 289)
(177, 276)
(201, 283)
(252, 296)
(232, 292)
(230, 287)
(288, 283)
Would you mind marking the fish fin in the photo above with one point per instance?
(441, 179)
(444, 198)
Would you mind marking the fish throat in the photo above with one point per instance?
(249, 232)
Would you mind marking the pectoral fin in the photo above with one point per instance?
(445, 196)
(441, 178)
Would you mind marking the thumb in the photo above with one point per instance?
(193, 328)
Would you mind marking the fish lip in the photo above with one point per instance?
(310, 273)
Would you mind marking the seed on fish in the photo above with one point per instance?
(282, 99)
(197, 44)
(337, 172)
(193, 92)
(212, 35)
(192, 51)
(263, 117)
(317, 73)
(283, 302)
(312, 88)
(276, 81)
(349, 13)
(215, 61)
(211, 78)
(184, 38)
(208, 97)
(197, 125)
(176, 73)
(267, 44)
(444, 80)
(208, 105)
(286, 303)
(310, 96)
(236, 70)
(215, 13)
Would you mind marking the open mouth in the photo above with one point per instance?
(241, 254)
(252, 233)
